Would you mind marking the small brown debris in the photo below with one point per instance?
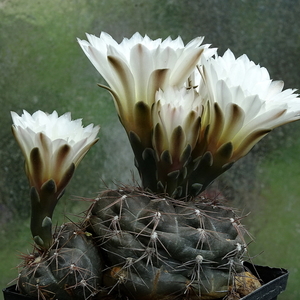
(244, 284)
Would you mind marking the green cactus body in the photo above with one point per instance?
(161, 248)
(71, 269)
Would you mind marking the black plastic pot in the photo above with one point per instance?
(11, 293)
(274, 282)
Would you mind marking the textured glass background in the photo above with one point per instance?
(42, 67)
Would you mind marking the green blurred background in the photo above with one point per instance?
(42, 67)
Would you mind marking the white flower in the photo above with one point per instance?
(137, 67)
(176, 117)
(244, 104)
(53, 146)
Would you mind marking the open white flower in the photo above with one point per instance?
(244, 104)
(52, 145)
(137, 67)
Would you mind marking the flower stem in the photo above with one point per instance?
(43, 203)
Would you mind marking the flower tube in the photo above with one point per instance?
(52, 146)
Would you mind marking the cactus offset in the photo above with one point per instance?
(158, 248)
(71, 269)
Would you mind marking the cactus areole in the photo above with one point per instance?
(189, 115)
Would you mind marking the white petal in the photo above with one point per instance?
(141, 66)
(47, 133)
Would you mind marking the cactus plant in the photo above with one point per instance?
(189, 115)
(70, 269)
(65, 264)
(157, 247)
